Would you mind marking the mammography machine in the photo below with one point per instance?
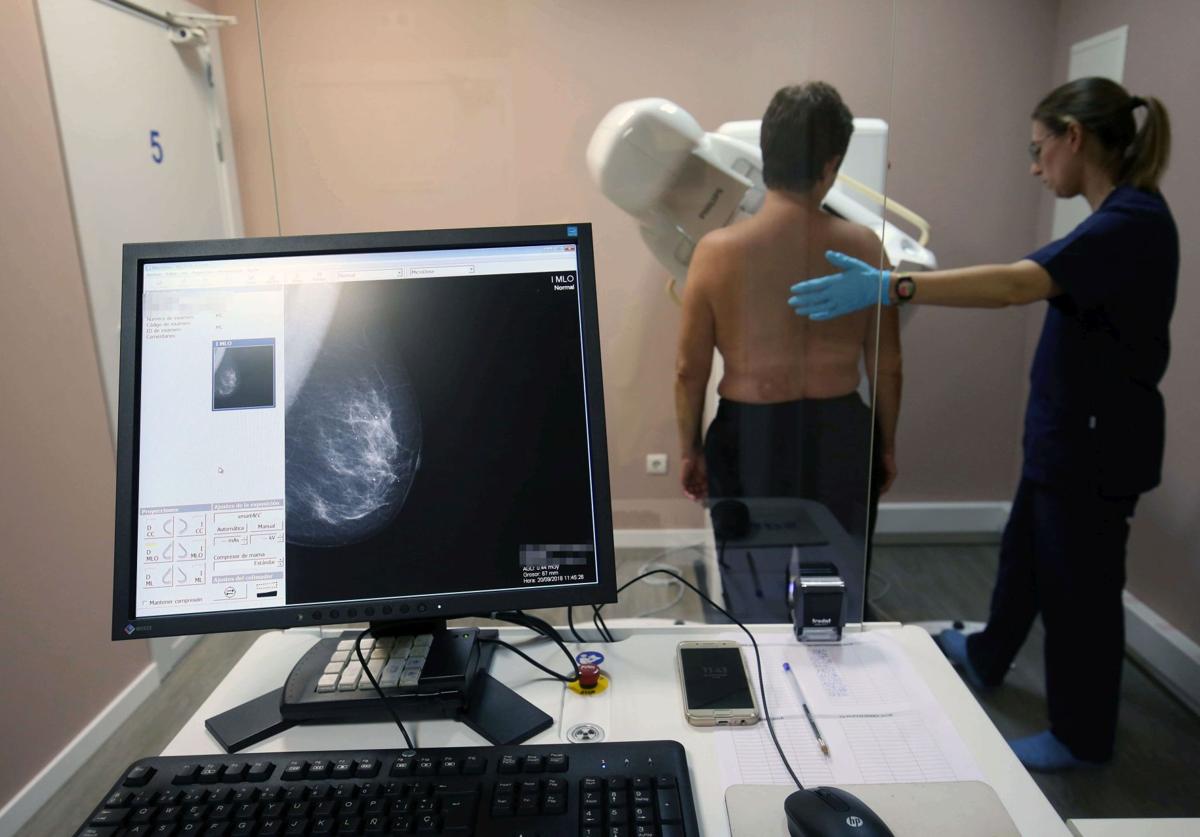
(651, 158)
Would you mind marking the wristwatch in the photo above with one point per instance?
(906, 288)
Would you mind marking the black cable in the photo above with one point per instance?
(545, 628)
(600, 624)
(571, 625)
(604, 625)
(367, 671)
(757, 658)
(562, 677)
(538, 626)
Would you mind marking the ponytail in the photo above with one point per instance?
(1146, 159)
(1105, 110)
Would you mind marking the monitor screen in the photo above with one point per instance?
(369, 427)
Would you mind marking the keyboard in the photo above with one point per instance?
(395, 661)
(608, 789)
(424, 676)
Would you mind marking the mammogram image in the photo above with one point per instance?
(353, 424)
(243, 376)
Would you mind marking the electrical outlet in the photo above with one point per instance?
(656, 463)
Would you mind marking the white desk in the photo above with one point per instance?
(645, 704)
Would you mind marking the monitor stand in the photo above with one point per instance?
(453, 683)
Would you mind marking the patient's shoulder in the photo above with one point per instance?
(855, 240)
(722, 240)
(719, 251)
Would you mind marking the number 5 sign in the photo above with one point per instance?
(156, 153)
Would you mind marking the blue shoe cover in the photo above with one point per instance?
(1044, 753)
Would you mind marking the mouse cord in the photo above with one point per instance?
(757, 659)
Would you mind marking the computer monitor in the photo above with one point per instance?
(372, 427)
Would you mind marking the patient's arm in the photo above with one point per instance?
(697, 337)
(885, 368)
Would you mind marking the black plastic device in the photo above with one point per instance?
(555, 790)
(829, 812)
(455, 657)
(392, 428)
(817, 595)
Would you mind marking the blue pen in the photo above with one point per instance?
(804, 705)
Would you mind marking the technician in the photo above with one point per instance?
(1094, 425)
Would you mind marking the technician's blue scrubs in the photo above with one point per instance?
(1094, 430)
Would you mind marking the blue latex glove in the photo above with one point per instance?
(857, 286)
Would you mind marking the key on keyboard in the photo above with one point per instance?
(610, 789)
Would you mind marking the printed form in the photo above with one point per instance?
(879, 719)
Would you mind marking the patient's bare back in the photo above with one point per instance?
(770, 354)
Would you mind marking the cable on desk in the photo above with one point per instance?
(538, 626)
(562, 677)
(757, 660)
(375, 683)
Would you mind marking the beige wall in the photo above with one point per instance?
(1161, 60)
(59, 668)
(966, 75)
(457, 114)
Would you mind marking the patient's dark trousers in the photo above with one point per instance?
(1063, 556)
(815, 449)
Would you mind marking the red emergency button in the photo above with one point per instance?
(589, 676)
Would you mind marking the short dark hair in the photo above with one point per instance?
(805, 126)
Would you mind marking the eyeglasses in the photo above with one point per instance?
(1035, 148)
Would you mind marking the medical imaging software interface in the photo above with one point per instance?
(331, 428)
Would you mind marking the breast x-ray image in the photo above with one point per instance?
(429, 420)
(353, 425)
(243, 374)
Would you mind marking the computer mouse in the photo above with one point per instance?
(829, 812)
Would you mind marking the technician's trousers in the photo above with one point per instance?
(1063, 556)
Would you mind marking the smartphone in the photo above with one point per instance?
(716, 685)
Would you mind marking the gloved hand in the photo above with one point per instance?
(858, 286)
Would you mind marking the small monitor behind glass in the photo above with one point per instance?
(374, 427)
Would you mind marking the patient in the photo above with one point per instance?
(790, 422)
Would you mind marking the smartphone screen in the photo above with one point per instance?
(714, 678)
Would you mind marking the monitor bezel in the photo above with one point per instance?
(125, 625)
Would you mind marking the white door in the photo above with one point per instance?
(140, 120)
(1103, 55)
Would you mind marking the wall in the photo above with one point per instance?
(1161, 60)
(56, 498)
(965, 78)
(457, 114)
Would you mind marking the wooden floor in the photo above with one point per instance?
(1156, 772)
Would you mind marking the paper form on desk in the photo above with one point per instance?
(880, 720)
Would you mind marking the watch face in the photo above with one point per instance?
(905, 287)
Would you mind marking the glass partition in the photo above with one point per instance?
(643, 120)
